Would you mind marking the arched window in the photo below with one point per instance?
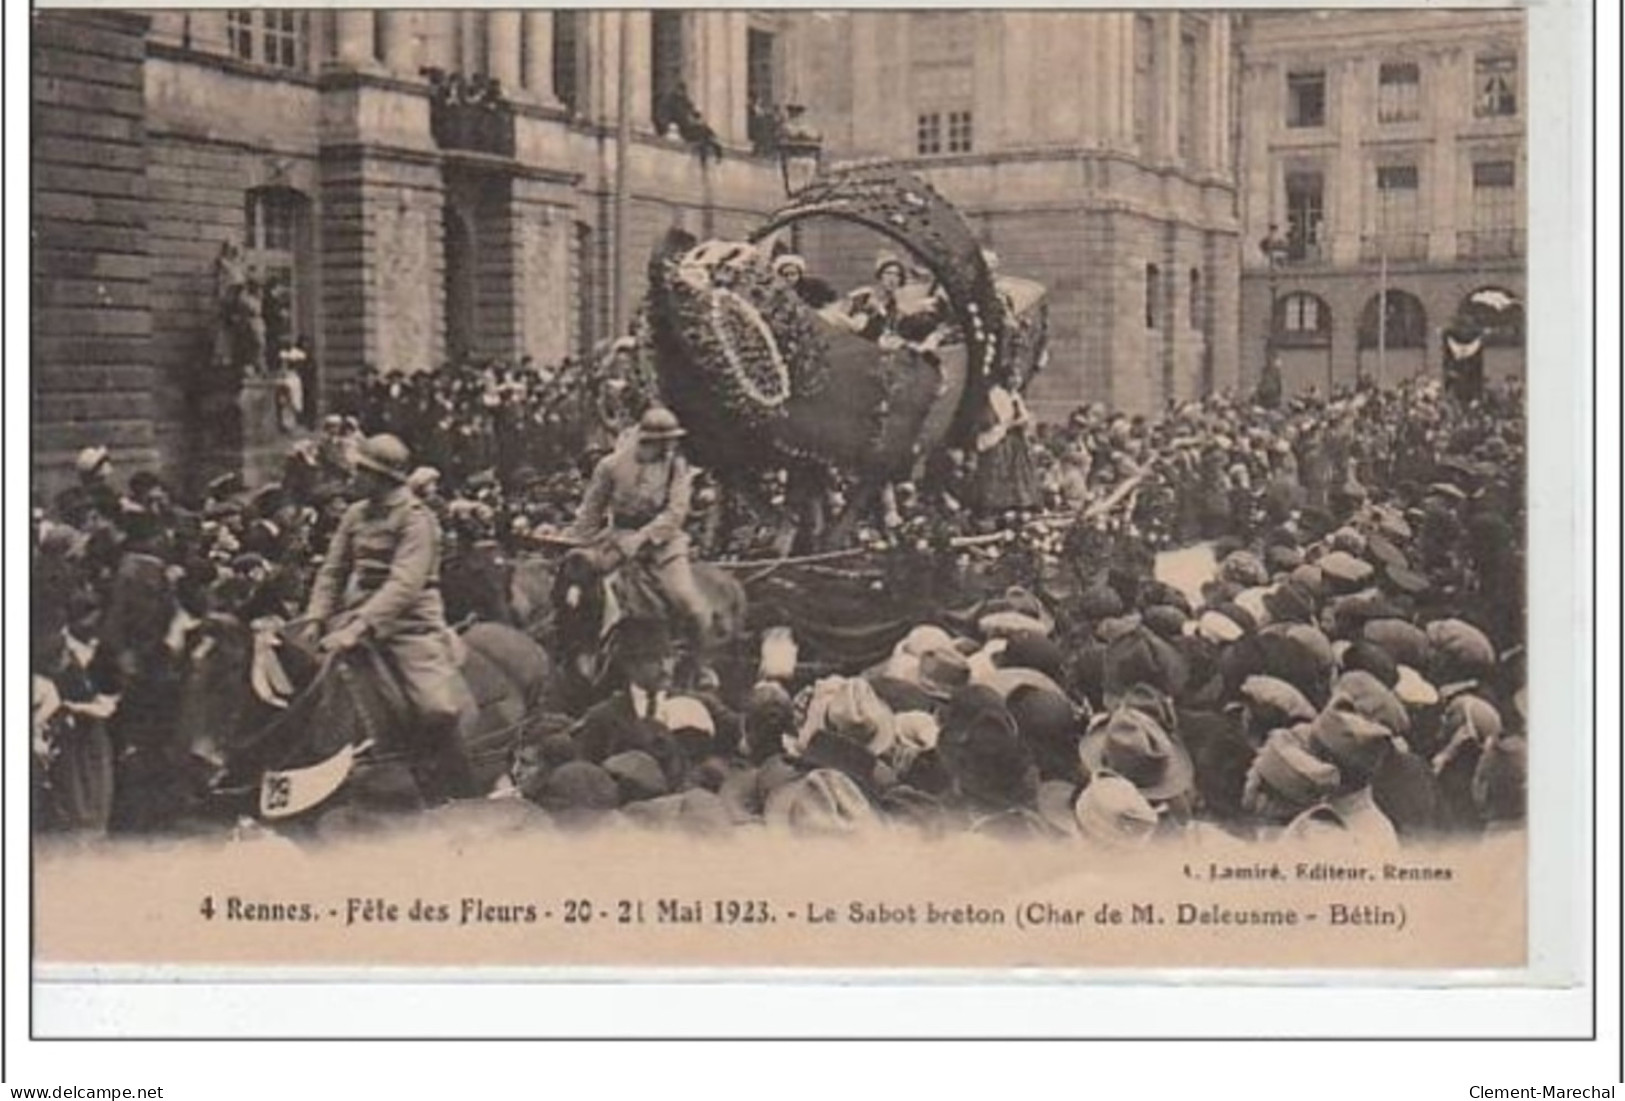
(1404, 320)
(1196, 299)
(1498, 313)
(1303, 319)
(1152, 274)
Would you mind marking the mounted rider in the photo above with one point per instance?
(380, 582)
(636, 506)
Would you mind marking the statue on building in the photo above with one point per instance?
(239, 343)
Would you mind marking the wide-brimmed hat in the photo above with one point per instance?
(790, 260)
(848, 708)
(1135, 746)
(385, 454)
(1115, 812)
(660, 423)
(823, 803)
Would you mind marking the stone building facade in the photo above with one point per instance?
(313, 140)
(1387, 148)
(1092, 150)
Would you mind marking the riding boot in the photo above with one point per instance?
(441, 768)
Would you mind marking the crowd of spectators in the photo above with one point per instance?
(1351, 666)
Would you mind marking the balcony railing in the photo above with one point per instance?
(1489, 244)
(1303, 252)
(469, 114)
(1395, 246)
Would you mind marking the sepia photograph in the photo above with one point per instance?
(938, 488)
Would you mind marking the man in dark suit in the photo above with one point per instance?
(628, 719)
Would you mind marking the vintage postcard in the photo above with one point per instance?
(964, 488)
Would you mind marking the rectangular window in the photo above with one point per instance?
(1306, 99)
(1496, 86)
(240, 32)
(928, 134)
(1152, 278)
(1399, 215)
(942, 73)
(1187, 96)
(666, 67)
(1399, 91)
(566, 51)
(269, 36)
(761, 84)
(1305, 214)
(1145, 80)
(1495, 195)
(1195, 310)
(1398, 188)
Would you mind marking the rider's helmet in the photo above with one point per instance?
(660, 423)
(384, 454)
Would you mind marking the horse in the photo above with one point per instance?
(257, 706)
(590, 596)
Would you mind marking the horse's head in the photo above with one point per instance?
(236, 677)
(578, 602)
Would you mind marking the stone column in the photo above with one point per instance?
(1445, 202)
(502, 45)
(637, 26)
(439, 42)
(355, 42)
(1107, 85)
(1124, 52)
(403, 39)
(1166, 81)
(538, 75)
(470, 43)
(1349, 178)
(1216, 123)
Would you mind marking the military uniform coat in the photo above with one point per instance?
(383, 567)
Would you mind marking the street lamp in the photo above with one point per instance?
(801, 154)
(1276, 253)
(801, 150)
